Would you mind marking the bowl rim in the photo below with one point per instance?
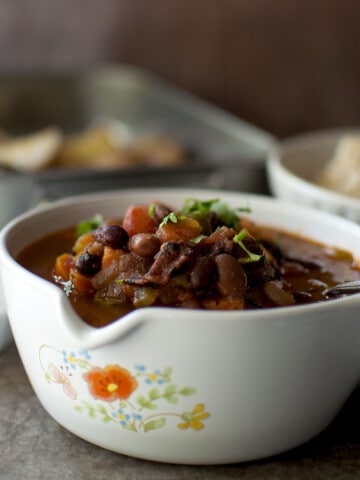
(276, 166)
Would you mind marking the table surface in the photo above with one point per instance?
(34, 446)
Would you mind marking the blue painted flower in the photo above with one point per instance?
(137, 416)
(155, 377)
(85, 354)
(69, 359)
(121, 417)
(140, 368)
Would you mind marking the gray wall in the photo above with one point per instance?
(285, 65)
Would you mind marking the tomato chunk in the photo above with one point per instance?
(138, 220)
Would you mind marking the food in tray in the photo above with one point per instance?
(204, 256)
(342, 173)
(30, 152)
(103, 146)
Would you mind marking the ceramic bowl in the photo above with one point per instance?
(212, 387)
(293, 165)
(5, 332)
(16, 196)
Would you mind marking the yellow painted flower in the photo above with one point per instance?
(194, 419)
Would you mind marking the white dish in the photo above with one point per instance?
(16, 196)
(210, 387)
(5, 332)
(294, 164)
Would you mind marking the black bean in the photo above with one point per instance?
(112, 236)
(144, 244)
(160, 212)
(232, 278)
(202, 275)
(88, 263)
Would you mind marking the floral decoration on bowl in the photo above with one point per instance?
(133, 399)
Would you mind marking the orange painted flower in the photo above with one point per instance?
(110, 383)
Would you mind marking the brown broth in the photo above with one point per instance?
(325, 267)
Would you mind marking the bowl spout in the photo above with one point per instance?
(89, 337)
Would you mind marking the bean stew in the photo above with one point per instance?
(204, 256)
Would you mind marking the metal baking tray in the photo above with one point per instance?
(227, 152)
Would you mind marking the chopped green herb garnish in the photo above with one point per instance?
(228, 215)
(198, 208)
(202, 210)
(197, 239)
(120, 281)
(238, 238)
(151, 210)
(89, 225)
(68, 287)
(171, 217)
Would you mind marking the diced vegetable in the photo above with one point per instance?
(184, 229)
(63, 263)
(81, 283)
(138, 220)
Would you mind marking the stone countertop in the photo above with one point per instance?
(34, 446)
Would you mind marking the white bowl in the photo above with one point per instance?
(5, 332)
(16, 196)
(258, 382)
(294, 164)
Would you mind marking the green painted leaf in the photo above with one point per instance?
(47, 377)
(92, 412)
(102, 409)
(106, 419)
(171, 398)
(169, 389)
(142, 400)
(129, 426)
(186, 416)
(154, 424)
(167, 374)
(78, 408)
(82, 363)
(186, 391)
(154, 394)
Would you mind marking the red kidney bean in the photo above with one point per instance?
(274, 291)
(144, 244)
(112, 236)
(232, 278)
(203, 272)
(88, 264)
